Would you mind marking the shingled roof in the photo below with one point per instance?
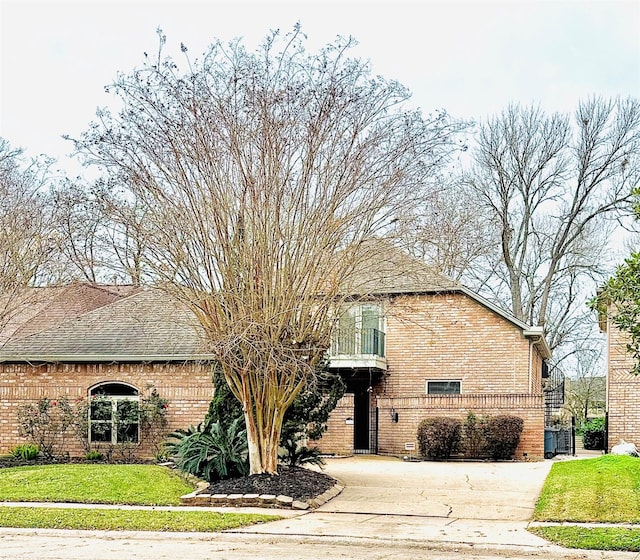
(387, 270)
(47, 307)
(88, 323)
(145, 326)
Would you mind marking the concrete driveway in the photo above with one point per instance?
(462, 490)
(480, 504)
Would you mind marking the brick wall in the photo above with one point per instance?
(623, 391)
(411, 411)
(451, 336)
(188, 388)
(338, 439)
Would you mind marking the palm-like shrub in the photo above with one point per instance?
(212, 452)
(295, 454)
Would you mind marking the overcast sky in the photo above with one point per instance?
(471, 58)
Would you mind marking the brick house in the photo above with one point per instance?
(623, 388)
(83, 340)
(411, 343)
(419, 345)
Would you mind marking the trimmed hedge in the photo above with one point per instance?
(503, 435)
(495, 437)
(439, 437)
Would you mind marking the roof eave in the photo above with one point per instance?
(106, 358)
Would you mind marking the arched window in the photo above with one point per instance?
(114, 416)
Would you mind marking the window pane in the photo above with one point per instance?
(128, 419)
(115, 390)
(101, 409)
(101, 431)
(370, 317)
(347, 332)
(443, 387)
(127, 433)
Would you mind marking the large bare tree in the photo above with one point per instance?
(263, 175)
(553, 187)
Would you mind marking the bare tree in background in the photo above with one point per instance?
(262, 176)
(553, 189)
(101, 234)
(26, 239)
(586, 392)
(450, 232)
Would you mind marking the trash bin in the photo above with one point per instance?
(550, 442)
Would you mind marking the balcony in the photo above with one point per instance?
(358, 348)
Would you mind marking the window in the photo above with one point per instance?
(443, 387)
(114, 414)
(359, 330)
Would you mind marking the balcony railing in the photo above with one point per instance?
(357, 342)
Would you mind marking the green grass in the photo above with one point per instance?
(600, 538)
(147, 485)
(601, 490)
(126, 520)
(106, 484)
(605, 490)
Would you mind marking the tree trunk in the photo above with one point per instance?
(253, 442)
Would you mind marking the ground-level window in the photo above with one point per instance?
(447, 387)
(114, 414)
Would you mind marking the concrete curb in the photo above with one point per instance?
(199, 497)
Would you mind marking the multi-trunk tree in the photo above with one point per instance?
(262, 176)
(552, 187)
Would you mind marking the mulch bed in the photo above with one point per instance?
(295, 482)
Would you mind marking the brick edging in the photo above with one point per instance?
(199, 497)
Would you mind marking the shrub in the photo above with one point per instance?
(94, 456)
(439, 437)
(475, 436)
(593, 434)
(45, 423)
(295, 454)
(26, 452)
(503, 435)
(212, 452)
(154, 411)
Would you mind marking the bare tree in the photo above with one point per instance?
(26, 240)
(450, 232)
(100, 232)
(553, 191)
(262, 177)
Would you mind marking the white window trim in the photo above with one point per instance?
(114, 399)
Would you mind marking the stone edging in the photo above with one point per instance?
(199, 497)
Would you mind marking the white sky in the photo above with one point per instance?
(469, 57)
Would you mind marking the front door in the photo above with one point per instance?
(361, 419)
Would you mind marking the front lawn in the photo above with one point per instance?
(129, 520)
(601, 490)
(149, 485)
(605, 489)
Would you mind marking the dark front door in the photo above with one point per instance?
(361, 413)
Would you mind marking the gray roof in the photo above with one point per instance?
(101, 324)
(387, 270)
(146, 326)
